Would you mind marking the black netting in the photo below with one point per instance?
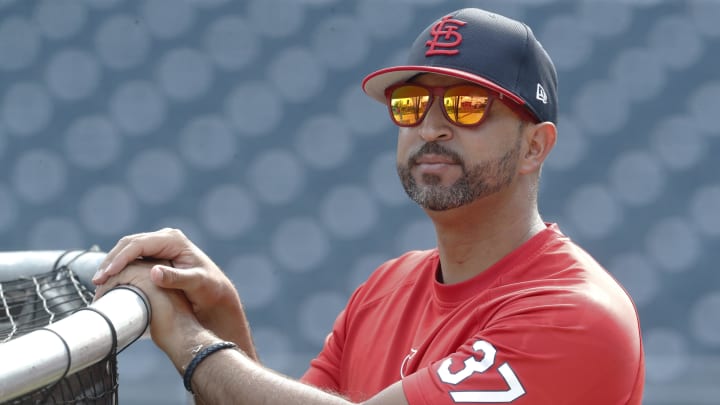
(33, 302)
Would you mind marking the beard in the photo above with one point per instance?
(475, 182)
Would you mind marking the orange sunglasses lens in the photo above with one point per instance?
(465, 105)
(408, 104)
(462, 105)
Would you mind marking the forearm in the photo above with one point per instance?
(232, 325)
(230, 377)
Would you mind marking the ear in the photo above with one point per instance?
(539, 140)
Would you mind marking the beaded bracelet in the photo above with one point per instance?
(202, 355)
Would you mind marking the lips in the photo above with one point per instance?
(434, 156)
(434, 159)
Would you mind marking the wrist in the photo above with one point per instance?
(183, 346)
(201, 353)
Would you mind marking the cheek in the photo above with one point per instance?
(486, 145)
(473, 149)
(404, 145)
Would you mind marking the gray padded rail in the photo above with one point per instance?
(20, 264)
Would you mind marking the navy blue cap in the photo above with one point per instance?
(485, 48)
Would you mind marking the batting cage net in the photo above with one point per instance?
(56, 345)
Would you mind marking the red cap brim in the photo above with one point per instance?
(375, 83)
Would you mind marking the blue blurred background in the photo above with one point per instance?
(243, 124)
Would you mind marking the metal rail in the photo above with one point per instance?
(84, 338)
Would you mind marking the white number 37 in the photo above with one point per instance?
(515, 389)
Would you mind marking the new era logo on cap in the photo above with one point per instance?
(540, 94)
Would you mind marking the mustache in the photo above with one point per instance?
(434, 148)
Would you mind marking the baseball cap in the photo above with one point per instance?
(491, 50)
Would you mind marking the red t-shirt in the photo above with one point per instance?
(544, 325)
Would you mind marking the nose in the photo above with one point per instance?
(435, 127)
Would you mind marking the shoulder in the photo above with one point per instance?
(563, 291)
(405, 265)
(574, 287)
(576, 308)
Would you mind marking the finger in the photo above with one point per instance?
(122, 253)
(102, 289)
(117, 248)
(170, 277)
(163, 244)
(136, 274)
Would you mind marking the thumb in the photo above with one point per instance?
(170, 277)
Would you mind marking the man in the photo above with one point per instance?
(506, 309)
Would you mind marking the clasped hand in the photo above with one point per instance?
(187, 279)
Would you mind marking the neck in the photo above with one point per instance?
(474, 237)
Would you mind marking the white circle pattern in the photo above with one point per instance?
(19, 43)
(244, 124)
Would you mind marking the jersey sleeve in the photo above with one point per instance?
(325, 369)
(538, 353)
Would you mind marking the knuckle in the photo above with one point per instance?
(174, 233)
(177, 232)
(171, 276)
(132, 243)
(126, 239)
